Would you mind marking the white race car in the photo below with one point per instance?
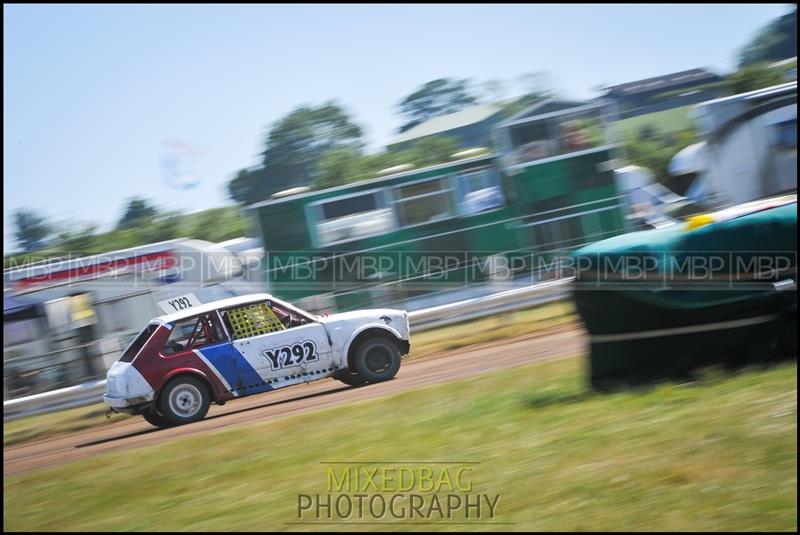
(182, 362)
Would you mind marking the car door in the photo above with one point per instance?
(280, 354)
(202, 337)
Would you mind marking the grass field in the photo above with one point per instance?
(718, 454)
(54, 423)
(673, 120)
(498, 327)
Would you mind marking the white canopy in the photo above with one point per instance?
(692, 159)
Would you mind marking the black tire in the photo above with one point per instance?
(350, 378)
(153, 418)
(377, 359)
(184, 400)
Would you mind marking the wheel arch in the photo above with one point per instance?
(189, 372)
(371, 331)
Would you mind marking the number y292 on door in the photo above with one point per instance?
(293, 355)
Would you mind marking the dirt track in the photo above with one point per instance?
(135, 432)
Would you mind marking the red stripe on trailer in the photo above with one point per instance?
(149, 262)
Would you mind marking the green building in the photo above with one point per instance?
(546, 188)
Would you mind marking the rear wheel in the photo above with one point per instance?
(184, 400)
(156, 419)
(377, 359)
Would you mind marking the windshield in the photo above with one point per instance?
(137, 344)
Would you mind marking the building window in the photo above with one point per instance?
(478, 191)
(423, 202)
(557, 135)
(532, 141)
(785, 134)
(356, 216)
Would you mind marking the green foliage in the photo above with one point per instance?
(672, 120)
(294, 150)
(537, 88)
(525, 101)
(654, 151)
(244, 187)
(165, 226)
(431, 151)
(76, 240)
(435, 98)
(776, 41)
(298, 141)
(343, 166)
(383, 160)
(339, 166)
(752, 77)
(136, 211)
(321, 146)
(31, 229)
(215, 225)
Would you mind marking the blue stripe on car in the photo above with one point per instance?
(234, 368)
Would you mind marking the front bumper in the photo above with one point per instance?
(405, 347)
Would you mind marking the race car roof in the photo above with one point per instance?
(213, 305)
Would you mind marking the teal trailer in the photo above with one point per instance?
(719, 289)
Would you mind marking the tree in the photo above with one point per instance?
(246, 187)
(432, 150)
(342, 166)
(216, 224)
(776, 41)
(493, 90)
(373, 163)
(435, 98)
(298, 141)
(31, 229)
(536, 86)
(164, 226)
(339, 166)
(136, 211)
(78, 240)
(751, 78)
(295, 146)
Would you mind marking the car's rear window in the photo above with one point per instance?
(138, 343)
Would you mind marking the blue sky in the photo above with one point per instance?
(92, 94)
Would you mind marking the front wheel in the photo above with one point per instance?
(377, 359)
(350, 378)
(184, 400)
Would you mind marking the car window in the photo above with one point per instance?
(193, 333)
(252, 320)
(288, 317)
(133, 349)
